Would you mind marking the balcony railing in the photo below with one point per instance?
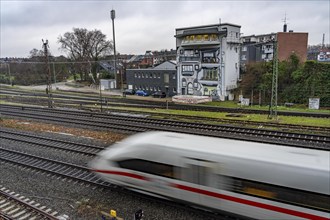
(268, 50)
(199, 42)
(188, 58)
(233, 40)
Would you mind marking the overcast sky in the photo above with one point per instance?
(150, 25)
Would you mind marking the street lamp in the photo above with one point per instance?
(113, 16)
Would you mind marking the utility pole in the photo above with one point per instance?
(273, 101)
(9, 74)
(54, 74)
(49, 83)
(113, 16)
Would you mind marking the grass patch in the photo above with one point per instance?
(296, 120)
(295, 108)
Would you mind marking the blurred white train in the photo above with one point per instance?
(257, 180)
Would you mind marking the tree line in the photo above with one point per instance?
(297, 81)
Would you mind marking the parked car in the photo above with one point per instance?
(129, 92)
(141, 93)
(159, 95)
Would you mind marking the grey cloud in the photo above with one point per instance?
(144, 25)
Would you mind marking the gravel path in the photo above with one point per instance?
(77, 200)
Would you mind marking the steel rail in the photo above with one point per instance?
(137, 124)
(82, 174)
(80, 148)
(37, 213)
(133, 124)
(162, 104)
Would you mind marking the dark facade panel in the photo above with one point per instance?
(153, 80)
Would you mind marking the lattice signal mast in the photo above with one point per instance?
(49, 83)
(273, 101)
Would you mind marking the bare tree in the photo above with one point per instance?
(37, 55)
(85, 46)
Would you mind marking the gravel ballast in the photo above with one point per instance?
(75, 199)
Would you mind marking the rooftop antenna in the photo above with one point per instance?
(285, 23)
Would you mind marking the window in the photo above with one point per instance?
(244, 48)
(209, 57)
(190, 89)
(188, 53)
(199, 37)
(158, 75)
(282, 194)
(210, 74)
(166, 78)
(243, 57)
(151, 167)
(187, 70)
(135, 75)
(174, 75)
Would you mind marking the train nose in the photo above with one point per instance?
(94, 164)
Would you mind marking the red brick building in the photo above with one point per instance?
(292, 42)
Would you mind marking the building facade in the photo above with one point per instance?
(208, 60)
(292, 42)
(257, 48)
(161, 78)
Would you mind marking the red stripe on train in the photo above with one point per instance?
(249, 202)
(136, 176)
(222, 196)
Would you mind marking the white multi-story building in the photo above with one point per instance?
(208, 59)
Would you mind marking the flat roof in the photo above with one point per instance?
(206, 26)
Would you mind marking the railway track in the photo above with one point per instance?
(15, 206)
(209, 120)
(139, 124)
(74, 174)
(95, 99)
(46, 142)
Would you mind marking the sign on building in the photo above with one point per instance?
(314, 103)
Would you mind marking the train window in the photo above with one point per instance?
(282, 194)
(197, 174)
(151, 167)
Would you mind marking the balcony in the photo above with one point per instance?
(268, 50)
(188, 58)
(233, 40)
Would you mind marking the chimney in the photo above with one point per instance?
(284, 27)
